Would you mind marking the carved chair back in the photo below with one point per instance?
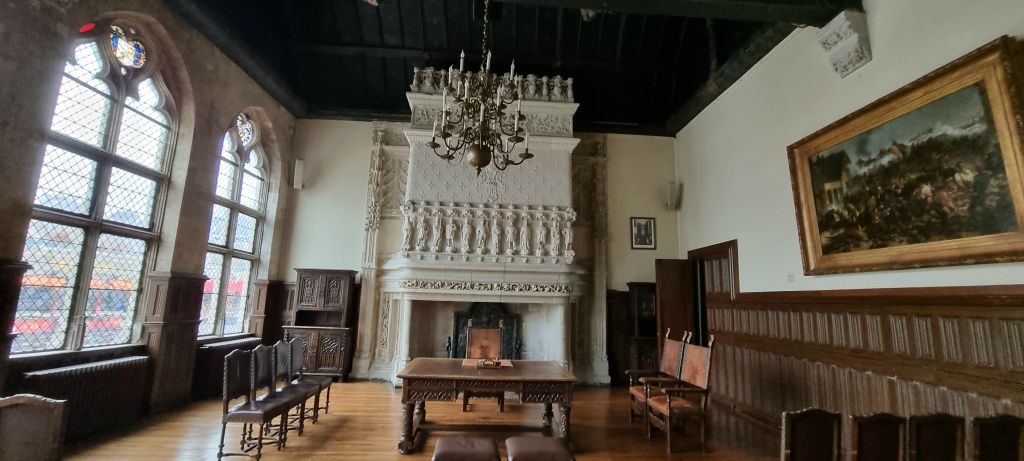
(878, 437)
(998, 437)
(282, 362)
(237, 376)
(810, 435)
(298, 357)
(31, 427)
(484, 343)
(936, 437)
(263, 369)
(697, 364)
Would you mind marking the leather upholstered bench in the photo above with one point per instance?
(524, 448)
(466, 449)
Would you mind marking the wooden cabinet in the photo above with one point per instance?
(643, 318)
(328, 350)
(324, 319)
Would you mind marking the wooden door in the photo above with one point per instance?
(308, 341)
(674, 297)
(309, 287)
(335, 291)
(330, 351)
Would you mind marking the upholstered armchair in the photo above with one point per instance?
(687, 399)
(670, 365)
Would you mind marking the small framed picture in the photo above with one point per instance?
(641, 233)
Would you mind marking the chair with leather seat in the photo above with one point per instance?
(878, 437)
(298, 375)
(240, 381)
(297, 393)
(678, 403)
(998, 438)
(278, 404)
(811, 435)
(935, 437)
(670, 367)
(461, 448)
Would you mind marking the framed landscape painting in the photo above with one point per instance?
(930, 175)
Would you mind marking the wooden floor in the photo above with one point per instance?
(364, 425)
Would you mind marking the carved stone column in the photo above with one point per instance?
(368, 299)
(169, 330)
(10, 288)
(598, 330)
(404, 333)
(563, 317)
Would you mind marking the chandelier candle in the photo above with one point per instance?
(476, 125)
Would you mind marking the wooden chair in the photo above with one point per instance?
(670, 368)
(998, 438)
(273, 403)
(484, 343)
(297, 393)
(937, 437)
(676, 404)
(878, 437)
(811, 435)
(31, 427)
(240, 382)
(323, 383)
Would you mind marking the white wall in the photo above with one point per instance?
(638, 169)
(326, 229)
(733, 155)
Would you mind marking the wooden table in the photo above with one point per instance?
(426, 379)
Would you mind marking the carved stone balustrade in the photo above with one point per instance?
(470, 232)
(535, 88)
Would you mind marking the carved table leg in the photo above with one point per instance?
(564, 420)
(546, 419)
(405, 443)
(421, 411)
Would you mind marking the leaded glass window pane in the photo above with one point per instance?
(113, 290)
(82, 113)
(87, 64)
(212, 269)
(129, 53)
(246, 133)
(245, 233)
(226, 180)
(219, 225)
(252, 191)
(130, 199)
(41, 319)
(237, 295)
(144, 130)
(66, 181)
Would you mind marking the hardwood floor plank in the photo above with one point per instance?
(365, 419)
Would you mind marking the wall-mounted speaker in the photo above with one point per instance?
(297, 174)
(673, 195)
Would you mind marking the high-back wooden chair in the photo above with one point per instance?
(298, 375)
(686, 400)
(31, 427)
(878, 437)
(670, 367)
(811, 435)
(998, 438)
(484, 343)
(936, 437)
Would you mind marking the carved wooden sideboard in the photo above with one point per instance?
(323, 319)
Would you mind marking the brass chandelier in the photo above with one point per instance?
(473, 122)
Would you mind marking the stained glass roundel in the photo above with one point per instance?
(129, 53)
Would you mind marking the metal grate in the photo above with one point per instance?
(212, 268)
(44, 305)
(113, 290)
(245, 233)
(130, 199)
(219, 225)
(237, 295)
(66, 181)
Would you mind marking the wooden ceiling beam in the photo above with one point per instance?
(802, 12)
(728, 73)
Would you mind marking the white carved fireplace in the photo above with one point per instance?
(450, 238)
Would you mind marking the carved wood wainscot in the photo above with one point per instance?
(431, 379)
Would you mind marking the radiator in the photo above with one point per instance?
(100, 395)
(208, 375)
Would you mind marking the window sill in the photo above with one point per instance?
(204, 340)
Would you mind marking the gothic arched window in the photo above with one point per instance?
(235, 229)
(95, 220)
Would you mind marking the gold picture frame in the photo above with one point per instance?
(930, 175)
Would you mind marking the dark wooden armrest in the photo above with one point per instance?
(641, 373)
(683, 390)
(647, 380)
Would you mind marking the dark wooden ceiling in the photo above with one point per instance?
(634, 69)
